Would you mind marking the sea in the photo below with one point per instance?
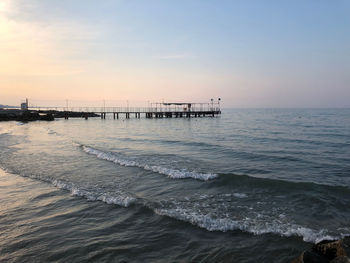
(251, 185)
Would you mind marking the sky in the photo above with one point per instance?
(249, 53)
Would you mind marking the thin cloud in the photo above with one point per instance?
(30, 49)
(176, 56)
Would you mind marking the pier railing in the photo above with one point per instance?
(127, 109)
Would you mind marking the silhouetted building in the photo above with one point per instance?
(24, 105)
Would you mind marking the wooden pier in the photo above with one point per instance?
(156, 110)
(157, 114)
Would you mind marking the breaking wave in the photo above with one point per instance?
(250, 225)
(208, 221)
(172, 173)
(117, 197)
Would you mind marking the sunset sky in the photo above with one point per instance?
(249, 53)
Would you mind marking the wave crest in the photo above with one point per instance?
(250, 225)
(120, 199)
(172, 173)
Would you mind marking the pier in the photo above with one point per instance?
(155, 110)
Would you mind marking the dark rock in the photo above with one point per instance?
(9, 115)
(326, 251)
(330, 249)
(28, 116)
(47, 117)
(300, 259)
(72, 114)
(346, 245)
(24, 116)
(313, 257)
(341, 259)
(310, 257)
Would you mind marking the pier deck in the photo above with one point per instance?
(137, 113)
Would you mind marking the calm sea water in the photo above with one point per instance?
(250, 186)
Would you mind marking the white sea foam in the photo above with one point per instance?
(207, 221)
(240, 195)
(116, 198)
(49, 131)
(172, 173)
(250, 225)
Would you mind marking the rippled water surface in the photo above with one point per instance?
(249, 186)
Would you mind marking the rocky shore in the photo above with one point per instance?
(70, 114)
(327, 251)
(26, 116)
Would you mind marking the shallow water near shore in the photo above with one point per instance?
(250, 186)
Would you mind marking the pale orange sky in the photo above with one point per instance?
(114, 51)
